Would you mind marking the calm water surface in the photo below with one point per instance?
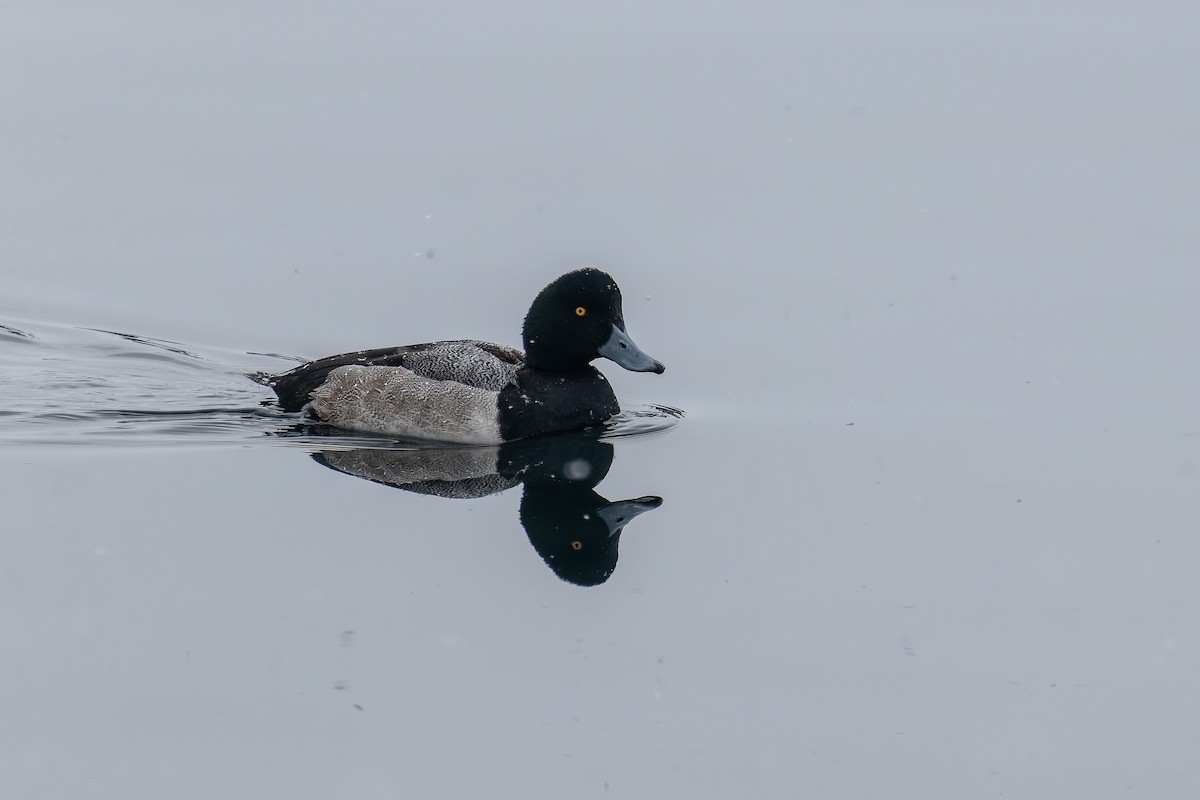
(924, 280)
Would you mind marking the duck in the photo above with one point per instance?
(466, 391)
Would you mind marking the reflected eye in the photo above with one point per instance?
(576, 545)
(580, 311)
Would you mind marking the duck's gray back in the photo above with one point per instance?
(483, 365)
(398, 402)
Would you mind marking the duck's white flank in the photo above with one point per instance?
(397, 402)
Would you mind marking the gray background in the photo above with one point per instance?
(924, 278)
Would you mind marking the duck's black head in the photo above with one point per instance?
(578, 318)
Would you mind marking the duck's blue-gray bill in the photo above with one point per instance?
(621, 349)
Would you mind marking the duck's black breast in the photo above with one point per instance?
(545, 401)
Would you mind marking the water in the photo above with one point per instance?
(924, 283)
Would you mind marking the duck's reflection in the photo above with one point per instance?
(574, 529)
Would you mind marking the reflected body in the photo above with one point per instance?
(574, 529)
(475, 392)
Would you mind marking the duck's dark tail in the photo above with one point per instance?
(291, 388)
(262, 378)
(283, 386)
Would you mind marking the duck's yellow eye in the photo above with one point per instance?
(580, 311)
(576, 545)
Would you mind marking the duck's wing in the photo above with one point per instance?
(483, 365)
